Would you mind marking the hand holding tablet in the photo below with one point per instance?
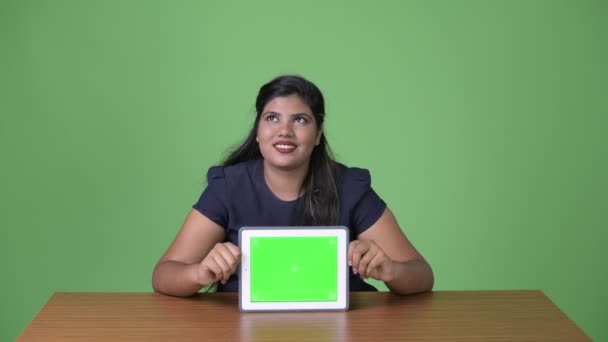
(286, 268)
(369, 260)
(219, 264)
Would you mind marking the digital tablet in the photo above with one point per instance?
(293, 268)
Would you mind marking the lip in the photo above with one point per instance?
(282, 149)
(284, 142)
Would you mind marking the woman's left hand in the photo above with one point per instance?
(369, 260)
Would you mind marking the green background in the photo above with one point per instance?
(483, 124)
(294, 269)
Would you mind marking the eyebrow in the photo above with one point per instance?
(294, 114)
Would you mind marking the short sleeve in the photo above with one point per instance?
(213, 201)
(363, 203)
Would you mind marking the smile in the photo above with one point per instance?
(284, 148)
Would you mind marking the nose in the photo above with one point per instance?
(286, 129)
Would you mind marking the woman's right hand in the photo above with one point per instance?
(219, 264)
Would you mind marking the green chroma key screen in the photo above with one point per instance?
(294, 269)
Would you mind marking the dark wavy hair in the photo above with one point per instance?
(319, 203)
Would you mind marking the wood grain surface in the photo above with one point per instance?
(373, 316)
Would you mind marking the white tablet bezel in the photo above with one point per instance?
(245, 235)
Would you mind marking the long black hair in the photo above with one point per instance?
(319, 203)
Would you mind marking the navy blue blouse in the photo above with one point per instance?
(238, 196)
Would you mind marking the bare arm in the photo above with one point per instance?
(383, 252)
(196, 258)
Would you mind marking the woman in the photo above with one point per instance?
(284, 175)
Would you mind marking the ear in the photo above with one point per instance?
(318, 139)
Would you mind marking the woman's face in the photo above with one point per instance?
(287, 133)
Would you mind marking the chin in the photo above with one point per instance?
(285, 165)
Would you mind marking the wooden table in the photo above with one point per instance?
(435, 316)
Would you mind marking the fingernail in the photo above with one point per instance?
(350, 263)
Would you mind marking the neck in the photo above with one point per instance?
(285, 184)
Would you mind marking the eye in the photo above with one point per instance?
(301, 120)
(271, 117)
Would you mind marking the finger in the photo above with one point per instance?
(211, 267)
(374, 267)
(221, 250)
(220, 266)
(358, 252)
(223, 264)
(234, 250)
(351, 247)
(365, 260)
(229, 258)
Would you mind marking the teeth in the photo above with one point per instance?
(285, 146)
